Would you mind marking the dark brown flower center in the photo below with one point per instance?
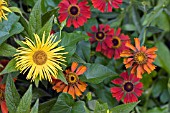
(100, 36)
(74, 10)
(72, 78)
(116, 42)
(140, 57)
(128, 86)
(40, 57)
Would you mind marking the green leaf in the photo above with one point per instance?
(15, 9)
(101, 108)
(153, 29)
(25, 102)
(129, 27)
(10, 27)
(83, 50)
(66, 104)
(7, 50)
(163, 56)
(35, 19)
(76, 58)
(95, 77)
(10, 67)
(62, 77)
(12, 97)
(89, 24)
(46, 106)
(69, 41)
(35, 107)
(124, 108)
(46, 28)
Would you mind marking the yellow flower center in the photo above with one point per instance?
(40, 57)
(140, 58)
(116, 42)
(100, 36)
(128, 86)
(74, 10)
(72, 78)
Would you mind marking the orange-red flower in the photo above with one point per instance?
(75, 85)
(4, 108)
(140, 58)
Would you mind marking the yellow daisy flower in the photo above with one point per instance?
(42, 58)
(3, 10)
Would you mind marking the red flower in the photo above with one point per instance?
(129, 88)
(106, 5)
(116, 45)
(75, 86)
(75, 12)
(101, 35)
(52, 32)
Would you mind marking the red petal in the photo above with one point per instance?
(117, 81)
(115, 89)
(124, 75)
(138, 92)
(4, 108)
(99, 47)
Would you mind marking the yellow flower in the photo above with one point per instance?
(41, 58)
(3, 10)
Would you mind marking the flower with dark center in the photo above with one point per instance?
(100, 34)
(75, 12)
(128, 88)
(116, 45)
(140, 58)
(42, 58)
(75, 86)
(3, 10)
(106, 5)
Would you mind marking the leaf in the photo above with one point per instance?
(61, 77)
(46, 28)
(83, 50)
(12, 97)
(25, 102)
(98, 76)
(163, 56)
(153, 29)
(136, 19)
(35, 107)
(124, 108)
(101, 108)
(7, 50)
(46, 106)
(10, 27)
(129, 27)
(76, 58)
(10, 67)
(15, 9)
(35, 19)
(66, 104)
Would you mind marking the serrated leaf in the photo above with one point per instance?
(25, 102)
(10, 67)
(35, 19)
(46, 106)
(46, 28)
(124, 108)
(95, 77)
(7, 50)
(12, 97)
(35, 107)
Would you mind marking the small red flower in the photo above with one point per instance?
(101, 35)
(52, 32)
(116, 44)
(75, 12)
(128, 89)
(106, 5)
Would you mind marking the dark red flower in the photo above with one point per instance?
(52, 32)
(106, 5)
(129, 88)
(101, 36)
(116, 45)
(75, 12)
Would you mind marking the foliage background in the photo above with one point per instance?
(147, 19)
